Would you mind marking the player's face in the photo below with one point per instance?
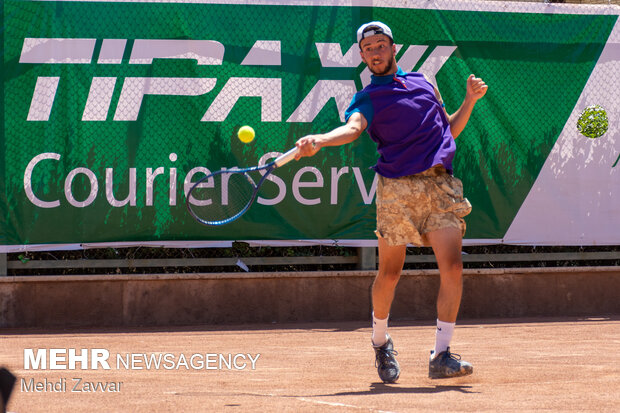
(378, 53)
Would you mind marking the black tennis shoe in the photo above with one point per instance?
(447, 365)
(385, 361)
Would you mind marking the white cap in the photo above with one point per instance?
(372, 28)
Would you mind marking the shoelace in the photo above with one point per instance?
(453, 356)
(383, 355)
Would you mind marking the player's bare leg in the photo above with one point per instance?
(447, 245)
(391, 260)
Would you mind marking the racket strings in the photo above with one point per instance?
(222, 196)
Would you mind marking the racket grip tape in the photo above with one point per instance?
(286, 157)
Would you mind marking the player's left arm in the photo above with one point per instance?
(476, 89)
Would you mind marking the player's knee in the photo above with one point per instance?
(391, 276)
(457, 268)
(452, 272)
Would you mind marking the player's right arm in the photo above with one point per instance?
(309, 145)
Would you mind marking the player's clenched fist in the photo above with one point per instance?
(476, 88)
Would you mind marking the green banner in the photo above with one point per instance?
(112, 109)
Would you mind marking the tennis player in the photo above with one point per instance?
(418, 201)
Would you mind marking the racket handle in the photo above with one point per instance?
(286, 157)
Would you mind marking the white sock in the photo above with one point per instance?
(379, 330)
(443, 336)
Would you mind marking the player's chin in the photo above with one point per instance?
(379, 69)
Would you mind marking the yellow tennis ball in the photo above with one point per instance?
(246, 134)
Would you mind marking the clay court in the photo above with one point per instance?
(550, 364)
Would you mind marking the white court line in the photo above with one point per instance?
(322, 402)
(341, 405)
(300, 398)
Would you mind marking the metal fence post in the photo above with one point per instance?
(3, 268)
(366, 258)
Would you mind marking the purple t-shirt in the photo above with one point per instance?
(407, 122)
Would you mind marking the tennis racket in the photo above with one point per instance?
(223, 196)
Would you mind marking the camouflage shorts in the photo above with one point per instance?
(411, 206)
